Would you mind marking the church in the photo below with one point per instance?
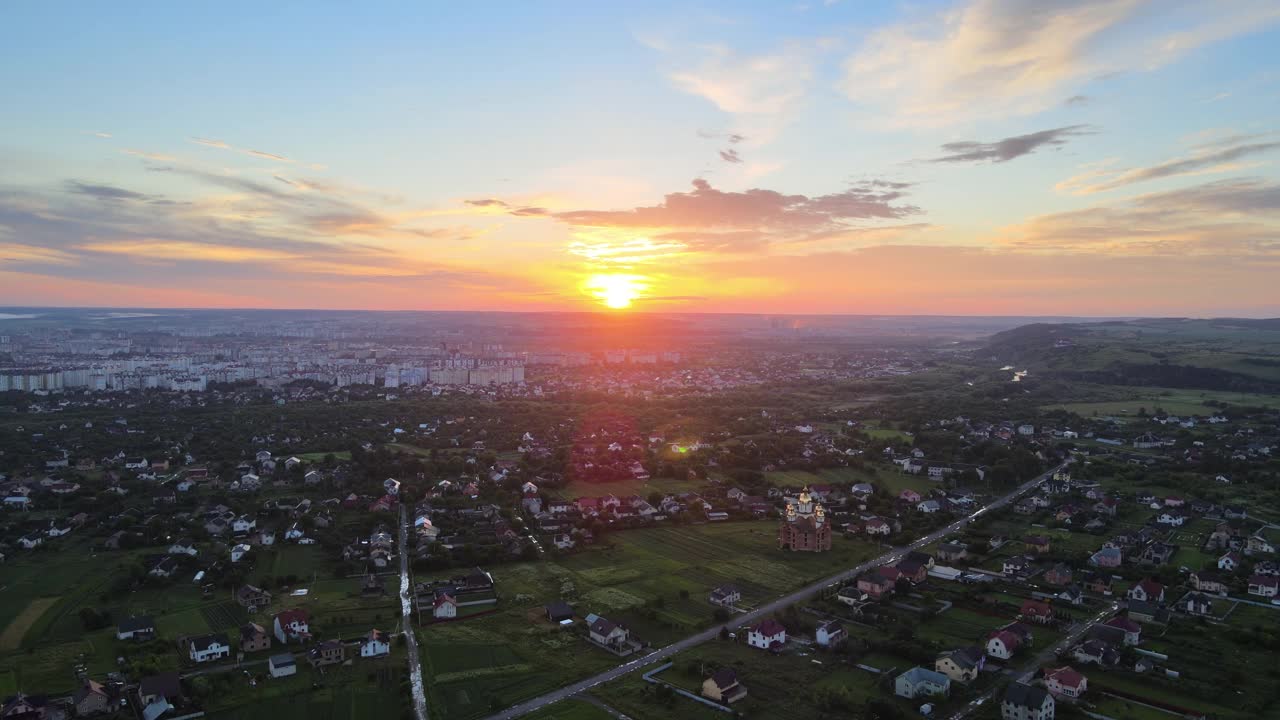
(805, 525)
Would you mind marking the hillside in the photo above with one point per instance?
(1229, 354)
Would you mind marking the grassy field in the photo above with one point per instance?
(320, 456)
(17, 629)
(654, 581)
(1172, 401)
(364, 690)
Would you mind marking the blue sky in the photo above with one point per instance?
(1060, 157)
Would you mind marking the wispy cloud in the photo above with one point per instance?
(1226, 218)
(211, 143)
(995, 58)
(1009, 148)
(1216, 157)
(159, 157)
(730, 155)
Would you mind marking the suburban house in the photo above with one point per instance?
(141, 627)
(962, 665)
(329, 652)
(1065, 682)
(254, 638)
(1132, 630)
(1038, 544)
(920, 682)
(1207, 581)
(207, 648)
(1196, 603)
(1002, 644)
(1096, 652)
(1026, 702)
(1059, 574)
(767, 635)
(239, 551)
(875, 586)
(1036, 612)
(723, 687)
(1147, 590)
(282, 665)
(164, 688)
(951, 552)
(1107, 557)
(292, 625)
(444, 605)
(90, 699)
(1015, 565)
(725, 596)
(1148, 612)
(1229, 561)
(376, 644)
(1267, 586)
(608, 634)
(830, 633)
(253, 597)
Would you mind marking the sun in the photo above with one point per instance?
(615, 291)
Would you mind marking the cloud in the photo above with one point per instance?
(101, 134)
(707, 207)
(105, 192)
(730, 156)
(996, 58)
(735, 138)
(1078, 100)
(159, 157)
(486, 202)
(754, 84)
(19, 253)
(1234, 217)
(1010, 147)
(1215, 157)
(211, 143)
(150, 248)
(267, 155)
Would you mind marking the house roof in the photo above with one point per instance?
(1066, 676)
(300, 615)
(165, 684)
(282, 660)
(204, 642)
(249, 631)
(769, 628)
(966, 657)
(1027, 696)
(725, 678)
(139, 622)
(603, 626)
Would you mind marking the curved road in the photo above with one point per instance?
(767, 609)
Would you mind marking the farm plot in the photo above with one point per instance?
(224, 616)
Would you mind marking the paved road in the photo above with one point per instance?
(1043, 658)
(406, 610)
(764, 610)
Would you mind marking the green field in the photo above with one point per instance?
(1172, 401)
(655, 581)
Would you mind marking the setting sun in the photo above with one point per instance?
(615, 291)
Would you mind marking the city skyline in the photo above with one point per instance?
(972, 158)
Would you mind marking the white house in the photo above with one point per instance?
(768, 635)
(1066, 682)
(239, 551)
(291, 625)
(376, 644)
(244, 524)
(183, 547)
(445, 606)
(208, 648)
(830, 634)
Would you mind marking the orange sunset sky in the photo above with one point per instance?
(979, 157)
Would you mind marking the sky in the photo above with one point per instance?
(989, 157)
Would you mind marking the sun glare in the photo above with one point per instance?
(614, 291)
